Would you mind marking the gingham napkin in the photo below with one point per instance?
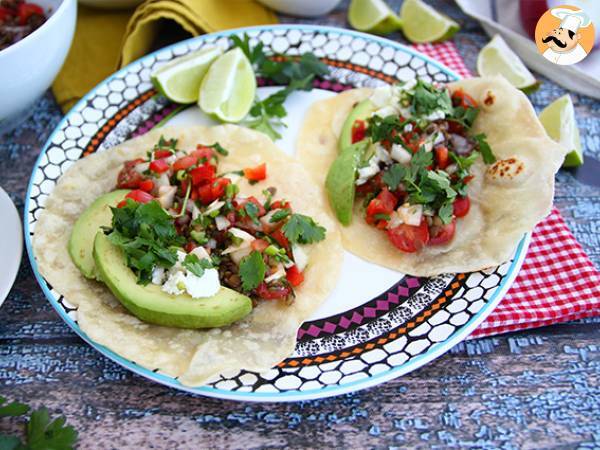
(557, 282)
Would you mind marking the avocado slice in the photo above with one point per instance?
(340, 181)
(81, 242)
(361, 111)
(150, 304)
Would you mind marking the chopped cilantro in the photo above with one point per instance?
(381, 216)
(146, 234)
(427, 99)
(279, 215)
(196, 265)
(381, 128)
(252, 271)
(303, 230)
(252, 212)
(394, 176)
(484, 149)
(219, 149)
(446, 210)
(464, 116)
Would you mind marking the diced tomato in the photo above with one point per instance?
(121, 203)
(257, 173)
(273, 293)
(294, 276)
(209, 192)
(384, 203)
(140, 196)
(147, 185)
(26, 10)
(280, 238)
(159, 166)
(203, 174)
(279, 204)
(128, 177)
(159, 154)
(359, 131)
(461, 98)
(191, 245)
(374, 184)
(467, 179)
(409, 238)
(218, 187)
(461, 206)
(5, 13)
(185, 162)
(203, 152)
(441, 157)
(440, 235)
(259, 245)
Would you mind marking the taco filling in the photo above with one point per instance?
(413, 156)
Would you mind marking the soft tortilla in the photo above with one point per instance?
(264, 338)
(507, 199)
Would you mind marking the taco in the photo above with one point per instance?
(194, 251)
(428, 179)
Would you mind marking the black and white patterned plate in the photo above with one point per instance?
(378, 324)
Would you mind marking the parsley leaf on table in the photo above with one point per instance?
(303, 229)
(146, 233)
(252, 271)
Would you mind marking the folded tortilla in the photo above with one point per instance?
(258, 342)
(508, 198)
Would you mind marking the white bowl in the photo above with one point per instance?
(111, 4)
(302, 8)
(29, 66)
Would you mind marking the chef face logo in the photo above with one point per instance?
(564, 35)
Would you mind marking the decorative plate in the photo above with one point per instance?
(378, 324)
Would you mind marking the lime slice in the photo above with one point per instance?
(229, 87)
(180, 79)
(558, 119)
(373, 16)
(496, 58)
(422, 23)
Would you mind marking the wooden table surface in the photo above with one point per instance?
(534, 389)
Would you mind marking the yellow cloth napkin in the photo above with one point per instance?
(106, 40)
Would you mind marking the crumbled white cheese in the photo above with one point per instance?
(205, 286)
(367, 172)
(300, 257)
(175, 283)
(158, 275)
(400, 154)
(411, 214)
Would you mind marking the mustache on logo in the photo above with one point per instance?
(556, 41)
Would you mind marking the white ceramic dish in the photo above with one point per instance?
(111, 4)
(11, 244)
(29, 66)
(302, 8)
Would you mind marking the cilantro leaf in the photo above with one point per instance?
(394, 176)
(219, 149)
(146, 233)
(382, 128)
(427, 99)
(464, 116)
(196, 265)
(445, 212)
(252, 212)
(255, 55)
(279, 215)
(484, 149)
(10, 442)
(442, 180)
(43, 434)
(13, 409)
(252, 271)
(303, 229)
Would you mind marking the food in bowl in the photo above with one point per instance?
(19, 19)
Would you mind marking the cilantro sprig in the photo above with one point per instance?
(252, 271)
(196, 265)
(294, 73)
(146, 233)
(40, 432)
(303, 229)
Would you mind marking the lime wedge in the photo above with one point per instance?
(496, 58)
(422, 23)
(373, 16)
(558, 119)
(229, 87)
(180, 79)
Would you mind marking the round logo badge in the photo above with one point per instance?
(565, 34)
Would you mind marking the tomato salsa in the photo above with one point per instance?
(18, 19)
(414, 178)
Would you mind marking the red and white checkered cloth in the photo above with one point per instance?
(557, 282)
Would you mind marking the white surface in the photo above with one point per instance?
(30, 65)
(303, 8)
(583, 77)
(110, 4)
(351, 290)
(11, 244)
